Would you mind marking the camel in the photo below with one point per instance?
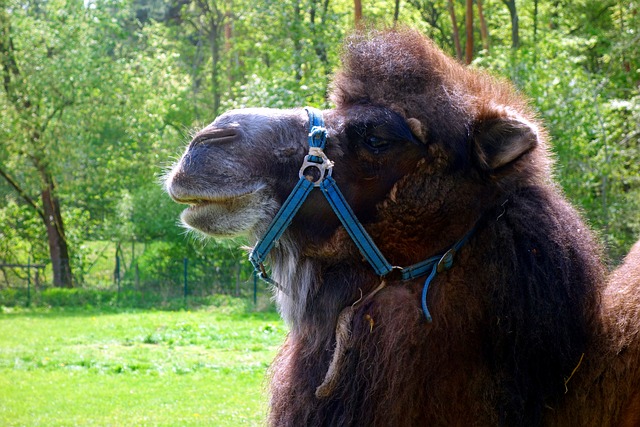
(429, 268)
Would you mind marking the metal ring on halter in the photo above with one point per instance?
(324, 168)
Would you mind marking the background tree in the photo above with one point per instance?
(454, 26)
(70, 112)
(97, 97)
(469, 31)
(438, 28)
(39, 85)
(357, 11)
(484, 32)
(515, 23)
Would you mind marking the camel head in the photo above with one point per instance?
(238, 170)
(421, 147)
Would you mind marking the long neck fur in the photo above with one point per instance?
(511, 322)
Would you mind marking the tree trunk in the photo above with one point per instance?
(515, 33)
(215, 59)
(297, 40)
(484, 32)
(554, 15)
(213, 26)
(535, 22)
(50, 212)
(319, 43)
(357, 8)
(228, 26)
(469, 25)
(535, 31)
(58, 250)
(52, 218)
(456, 34)
(396, 12)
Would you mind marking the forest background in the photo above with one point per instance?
(98, 97)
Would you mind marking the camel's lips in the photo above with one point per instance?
(198, 202)
(195, 200)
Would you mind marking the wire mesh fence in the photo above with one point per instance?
(160, 283)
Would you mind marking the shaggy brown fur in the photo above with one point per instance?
(525, 330)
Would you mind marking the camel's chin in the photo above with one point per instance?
(225, 218)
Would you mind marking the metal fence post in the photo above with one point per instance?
(186, 288)
(118, 274)
(255, 288)
(29, 282)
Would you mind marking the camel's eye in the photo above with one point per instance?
(376, 130)
(376, 143)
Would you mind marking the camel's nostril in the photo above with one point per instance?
(216, 136)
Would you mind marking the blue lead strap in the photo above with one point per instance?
(279, 224)
(425, 289)
(437, 264)
(357, 232)
(317, 139)
(317, 132)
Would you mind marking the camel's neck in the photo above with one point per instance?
(520, 266)
(313, 292)
(315, 284)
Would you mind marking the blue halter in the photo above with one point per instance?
(316, 159)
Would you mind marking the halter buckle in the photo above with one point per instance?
(446, 262)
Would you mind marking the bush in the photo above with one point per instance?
(12, 297)
(60, 297)
(103, 299)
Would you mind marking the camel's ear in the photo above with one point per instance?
(502, 140)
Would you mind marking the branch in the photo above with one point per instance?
(23, 194)
(214, 15)
(8, 59)
(601, 12)
(10, 70)
(190, 21)
(204, 6)
(56, 110)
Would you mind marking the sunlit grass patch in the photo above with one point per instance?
(136, 368)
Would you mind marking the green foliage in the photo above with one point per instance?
(21, 235)
(579, 84)
(106, 95)
(60, 297)
(78, 114)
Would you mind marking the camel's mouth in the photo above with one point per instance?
(202, 202)
(180, 194)
(223, 215)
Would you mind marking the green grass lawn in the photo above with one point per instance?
(146, 368)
